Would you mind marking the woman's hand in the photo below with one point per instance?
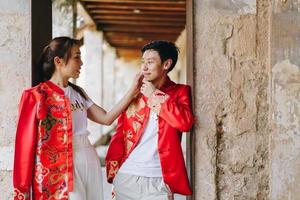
(136, 85)
(99, 115)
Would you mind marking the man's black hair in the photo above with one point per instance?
(166, 50)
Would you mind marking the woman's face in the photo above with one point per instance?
(71, 69)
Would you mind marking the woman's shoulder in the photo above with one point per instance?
(36, 91)
(30, 93)
(32, 89)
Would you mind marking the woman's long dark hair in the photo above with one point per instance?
(60, 47)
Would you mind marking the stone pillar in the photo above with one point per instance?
(178, 74)
(91, 77)
(124, 75)
(19, 45)
(231, 63)
(64, 17)
(285, 98)
(108, 97)
(15, 73)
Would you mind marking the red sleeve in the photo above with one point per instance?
(115, 151)
(175, 110)
(25, 146)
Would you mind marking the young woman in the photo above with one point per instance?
(53, 156)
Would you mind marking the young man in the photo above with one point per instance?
(144, 160)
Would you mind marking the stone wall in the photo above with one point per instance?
(231, 99)
(285, 100)
(63, 17)
(15, 75)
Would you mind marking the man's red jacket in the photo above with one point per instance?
(172, 103)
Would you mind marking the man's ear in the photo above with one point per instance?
(167, 64)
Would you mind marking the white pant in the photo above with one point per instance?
(86, 171)
(131, 187)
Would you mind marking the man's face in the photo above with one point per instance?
(152, 67)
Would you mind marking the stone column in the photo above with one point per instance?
(231, 75)
(64, 17)
(91, 77)
(20, 43)
(109, 57)
(124, 75)
(285, 98)
(181, 71)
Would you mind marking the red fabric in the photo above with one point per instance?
(43, 148)
(175, 116)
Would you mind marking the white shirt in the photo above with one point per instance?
(79, 107)
(144, 159)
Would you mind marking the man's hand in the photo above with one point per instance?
(147, 88)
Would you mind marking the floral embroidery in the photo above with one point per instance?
(140, 117)
(135, 107)
(43, 136)
(40, 172)
(60, 193)
(20, 195)
(156, 99)
(51, 152)
(136, 126)
(48, 122)
(58, 178)
(128, 141)
(113, 168)
(63, 138)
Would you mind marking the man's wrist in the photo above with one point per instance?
(156, 99)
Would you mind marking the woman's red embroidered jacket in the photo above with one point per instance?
(172, 103)
(43, 148)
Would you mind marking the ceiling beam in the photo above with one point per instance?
(136, 29)
(141, 23)
(130, 43)
(140, 18)
(136, 13)
(138, 34)
(136, 7)
(142, 40)
(145, 2)
(129, 53)
(128, 46)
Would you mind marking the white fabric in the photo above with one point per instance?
(131, 187)
(144, 159)
(79, 107)
(87, 171)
